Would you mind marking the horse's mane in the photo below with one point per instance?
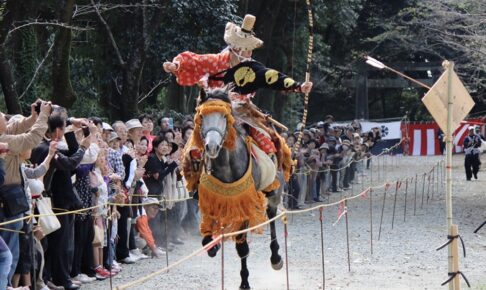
(214, 94)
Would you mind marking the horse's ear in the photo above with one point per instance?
(202, 96)
(228, 88)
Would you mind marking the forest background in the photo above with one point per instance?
(104, 58)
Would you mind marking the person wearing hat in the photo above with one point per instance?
(324, 173)
(149, 211)
(135, 130)
(114, 156)
(344, 164)
(335, 157)
(471, 144)
(106, 130)
(477, 130)
(132, 183)
(191, 68)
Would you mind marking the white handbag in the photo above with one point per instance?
(48, 221)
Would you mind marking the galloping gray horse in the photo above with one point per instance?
(229, 166)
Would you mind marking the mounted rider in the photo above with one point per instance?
(235, 66)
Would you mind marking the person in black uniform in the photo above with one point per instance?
(472, 144)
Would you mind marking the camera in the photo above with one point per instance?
(38, 106)
(86, 131)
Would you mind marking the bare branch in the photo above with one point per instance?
(45, 23)
(110, 34)
(161, 82)
(37, 70)
(115, 80)
(88, 9)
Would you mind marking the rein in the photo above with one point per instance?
(214, 106)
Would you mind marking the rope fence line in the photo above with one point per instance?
(282, 215)
(81, 211)
(386, 150)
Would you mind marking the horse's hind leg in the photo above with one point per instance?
(275, 258)
(243, 252)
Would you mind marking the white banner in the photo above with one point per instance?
(389, 130)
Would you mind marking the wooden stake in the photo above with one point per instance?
(166, 234)
(423, 191)
(415, 198)
(395, 203)
(405, 208)
(321, 219)
(286, 233)
(371, 220)
(347, 235)
(222, 258)
(382, 211)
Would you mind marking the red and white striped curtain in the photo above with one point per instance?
(423, 137)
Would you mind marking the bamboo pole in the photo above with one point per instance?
(450, 67)
(456, 282)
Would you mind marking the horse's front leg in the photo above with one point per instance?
(213, 250)
(243, 252)
(275, 258)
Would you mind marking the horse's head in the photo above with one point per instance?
(215, 121)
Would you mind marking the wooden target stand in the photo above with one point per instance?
(449, 103)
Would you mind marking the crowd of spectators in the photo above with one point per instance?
(330, 159)
(124, 180)
(115, 175)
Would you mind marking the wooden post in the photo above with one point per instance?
(455, 257)
(450, 67)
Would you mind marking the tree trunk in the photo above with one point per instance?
(175, 94)
(129, 97)
(6, 76)
(63, 93)
(8, 84)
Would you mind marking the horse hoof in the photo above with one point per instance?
(278, 266)
(245, 288)
(213, 251)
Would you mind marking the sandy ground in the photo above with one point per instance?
(403, 258)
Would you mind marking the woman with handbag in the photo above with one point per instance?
(33, 187)
(21, 134)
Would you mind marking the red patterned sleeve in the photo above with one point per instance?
(192, 67)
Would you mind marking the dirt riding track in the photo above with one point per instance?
(404, 257)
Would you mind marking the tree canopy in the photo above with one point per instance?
(105, 57)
